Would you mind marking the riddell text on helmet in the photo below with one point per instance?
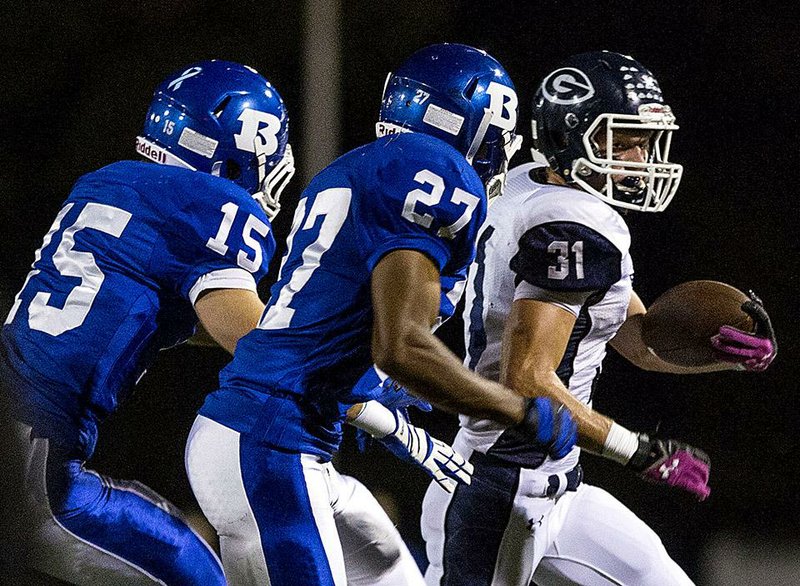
(150, 151)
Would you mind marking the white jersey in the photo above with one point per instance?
(556, 244)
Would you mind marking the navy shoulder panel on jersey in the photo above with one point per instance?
(567, 256)
(418, 192)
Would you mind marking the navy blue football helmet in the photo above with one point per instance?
(462, 96)
(225, 119)
(576, 111)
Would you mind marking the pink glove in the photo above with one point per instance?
(673, 463)
(752, 352)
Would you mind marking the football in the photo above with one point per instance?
(679, 324)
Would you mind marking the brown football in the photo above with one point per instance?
(679, 324)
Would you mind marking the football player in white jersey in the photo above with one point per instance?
(549, 289)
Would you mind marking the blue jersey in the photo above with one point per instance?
(291, 379)
(115, 281)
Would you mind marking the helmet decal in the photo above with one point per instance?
(197, 143)
(225, 119)
(176, 83)
(503, 105)
(458, 94)
(443, 119)
(253, 130)
(567, 86)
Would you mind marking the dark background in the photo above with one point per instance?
(76, 82)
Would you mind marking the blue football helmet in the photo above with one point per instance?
(462, 96)
(576, 111)
(225, 119)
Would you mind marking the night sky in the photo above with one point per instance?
(77, 79)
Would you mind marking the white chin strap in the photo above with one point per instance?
(480, 133)
(272, 184)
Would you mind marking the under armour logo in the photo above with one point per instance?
(567, 86)
(666, 469)
(175, 84)
(532, 522)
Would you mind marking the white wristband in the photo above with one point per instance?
(620, 444)
(375, 419)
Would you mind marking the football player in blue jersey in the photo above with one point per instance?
(372, 236)
(551, 286)
(137, 254)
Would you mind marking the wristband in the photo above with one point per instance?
(620, 444)
(375, 419)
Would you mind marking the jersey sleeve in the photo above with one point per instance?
(571, 301)
(452, 290)
(220, 241)
(566, 256)
(425, 200)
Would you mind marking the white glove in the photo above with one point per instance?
(446, 466)
(413, 444)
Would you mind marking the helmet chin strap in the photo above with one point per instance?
(480, 134)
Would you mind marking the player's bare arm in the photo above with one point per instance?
(406, 294)
(228, 314)
(534, 341)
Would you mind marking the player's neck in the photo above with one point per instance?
(553, 178)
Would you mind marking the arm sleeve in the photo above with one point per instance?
(566, 257)
(231, 278)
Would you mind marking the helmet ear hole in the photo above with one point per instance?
(571, 120)
(234, 171)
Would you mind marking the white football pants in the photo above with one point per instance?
(361, 544)
(584, 537)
